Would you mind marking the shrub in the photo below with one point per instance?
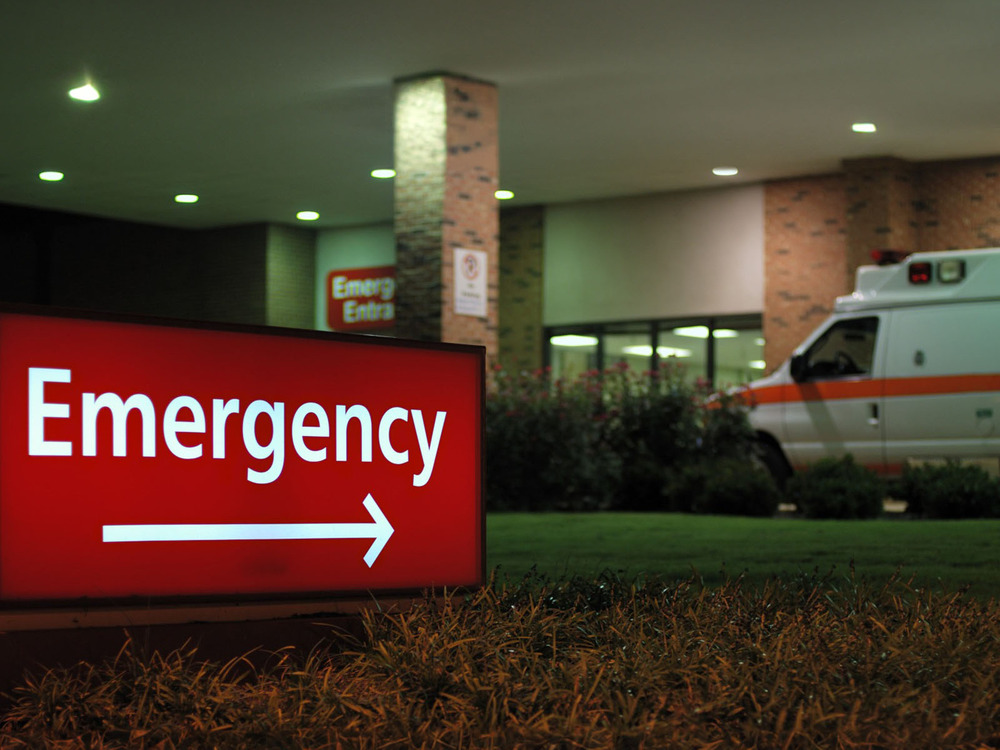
(725, 429)
(949, 490)
(724, 486)
(736, 486)
(542, 451)
(652, 424)
(606, 440)
(836, 488)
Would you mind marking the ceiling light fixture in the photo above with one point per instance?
(503, 195)
(85, 93)
(185, 198)
(51, 176)
(383, 174)
(863, 127)
(725, 171)
(307, 216)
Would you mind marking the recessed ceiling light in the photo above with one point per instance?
(307, 216)
(85, 93)
(186, 198)
(51, 176)
(863, 127)
(725, 171)
(383, 174)
(503, 195)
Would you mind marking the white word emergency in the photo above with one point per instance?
(185, 415)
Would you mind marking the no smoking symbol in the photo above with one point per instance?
(470, 266)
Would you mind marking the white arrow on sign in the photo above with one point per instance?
(379, 531)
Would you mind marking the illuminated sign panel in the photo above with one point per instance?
(361, 298)
(155, 461)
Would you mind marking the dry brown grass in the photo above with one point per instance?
(579, 664)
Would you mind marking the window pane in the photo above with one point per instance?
(572, 355)
(739, 355)
(685, 347)
(634, 349)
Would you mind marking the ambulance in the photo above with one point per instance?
(906, 369)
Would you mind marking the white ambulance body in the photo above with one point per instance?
(907, 368)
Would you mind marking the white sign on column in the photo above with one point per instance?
(470, 282)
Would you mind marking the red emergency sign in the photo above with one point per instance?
(360, 299)
(139, 459)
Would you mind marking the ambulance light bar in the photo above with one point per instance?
(920, 273)
(948, 271)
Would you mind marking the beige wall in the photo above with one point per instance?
(655, 256)
(350, 247)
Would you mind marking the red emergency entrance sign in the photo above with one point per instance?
(139, 459)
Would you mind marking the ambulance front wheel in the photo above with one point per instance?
(770, 457)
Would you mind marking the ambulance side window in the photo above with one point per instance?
(846, 349)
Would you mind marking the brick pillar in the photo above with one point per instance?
(881, 208)
(446, 160)
(522, 240)
(805, 265)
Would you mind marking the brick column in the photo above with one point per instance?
(881, 208)
(805, 265)
(522, 240)
(446, 160)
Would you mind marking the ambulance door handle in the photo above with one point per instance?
(873, 418)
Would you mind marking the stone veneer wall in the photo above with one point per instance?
(521, 266)
(213, 275)
(290, 276)
(805, 266)
(258, 274)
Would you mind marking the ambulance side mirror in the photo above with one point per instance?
(798, 367)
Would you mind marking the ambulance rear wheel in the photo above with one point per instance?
(769, 457)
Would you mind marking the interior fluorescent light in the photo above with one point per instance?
(51, 176)
(383, 174)
(757, 364)
(863, 127)
(85, 93)
(668, 351)
(503, 195)
(701, 332)
(645, 350)
(186, 198)
(571, 339)
(725, 171)
(307, 216)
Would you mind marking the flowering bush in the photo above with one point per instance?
(543, 444)
(606, 440)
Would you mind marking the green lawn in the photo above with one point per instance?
(944, 555)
